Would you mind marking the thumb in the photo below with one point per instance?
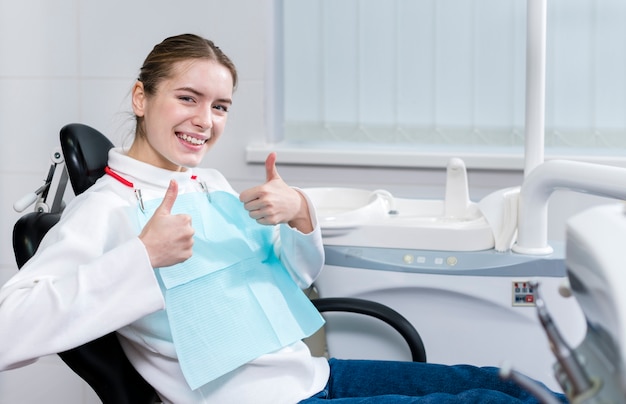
(271, 173)
(169, 198)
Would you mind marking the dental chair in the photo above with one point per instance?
(102, 362)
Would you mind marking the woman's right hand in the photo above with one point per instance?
(168, 238)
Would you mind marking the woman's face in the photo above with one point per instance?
(186, 115)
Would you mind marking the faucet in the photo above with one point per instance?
(457, 200)
(596, 179)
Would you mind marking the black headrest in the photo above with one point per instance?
(86, 153)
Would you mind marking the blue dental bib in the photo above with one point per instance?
(233, 300)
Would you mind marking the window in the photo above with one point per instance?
(449, 75)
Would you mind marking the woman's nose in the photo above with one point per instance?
(204, 119)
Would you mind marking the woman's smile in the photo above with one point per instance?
(194, 140)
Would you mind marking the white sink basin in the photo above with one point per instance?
(341, 208)
(360, 217)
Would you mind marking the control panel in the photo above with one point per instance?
(523, 294)
(476, 263)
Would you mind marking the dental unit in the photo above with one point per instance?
(481, 281)
(436, 262)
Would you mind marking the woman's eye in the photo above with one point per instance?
(185, 98)
(223, 108)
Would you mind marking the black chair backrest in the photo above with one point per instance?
(28, 232)
(102, 362)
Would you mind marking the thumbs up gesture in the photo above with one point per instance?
(168, 238)
(276, 202)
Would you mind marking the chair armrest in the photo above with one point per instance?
(381, 312)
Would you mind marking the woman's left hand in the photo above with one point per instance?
(276, 202)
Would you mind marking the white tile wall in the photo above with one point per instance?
(39, 38)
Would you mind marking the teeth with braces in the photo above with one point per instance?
(192, 140)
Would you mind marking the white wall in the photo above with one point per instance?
(67, 61)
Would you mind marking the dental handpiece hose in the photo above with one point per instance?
(533, 387)
(578, 378)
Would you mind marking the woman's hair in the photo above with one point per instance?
(160, 62)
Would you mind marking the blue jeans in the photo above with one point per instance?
(365, 382)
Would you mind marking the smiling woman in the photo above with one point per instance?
(121, 247)
(202, 285)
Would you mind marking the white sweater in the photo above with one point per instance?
(92, 275)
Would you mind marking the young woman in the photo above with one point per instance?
(203, 285)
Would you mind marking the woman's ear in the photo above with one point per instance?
(138, 98)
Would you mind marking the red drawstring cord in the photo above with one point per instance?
(118, 177)
(124, 181)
